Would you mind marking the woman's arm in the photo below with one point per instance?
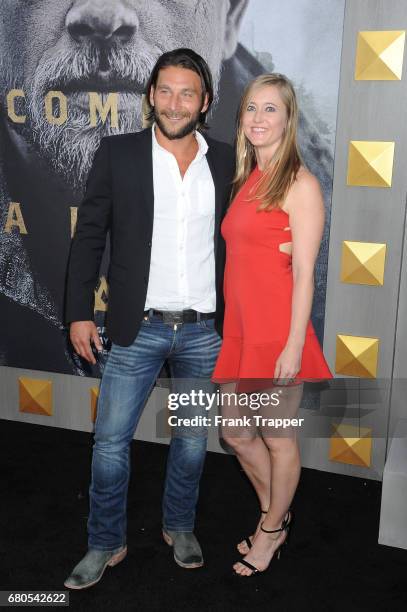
(305, 206)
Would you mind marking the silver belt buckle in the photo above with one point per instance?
(172, 317)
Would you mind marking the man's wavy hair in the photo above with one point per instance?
(184, 58)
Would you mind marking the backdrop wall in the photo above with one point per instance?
(44, 166)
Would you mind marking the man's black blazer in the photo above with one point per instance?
(120, 197)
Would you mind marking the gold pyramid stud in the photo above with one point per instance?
(363, 263)
(370, 163)
(94, 395)
(351, 444)
(379, 55)
(356, 356)
(35, 396)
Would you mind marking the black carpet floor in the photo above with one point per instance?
(333, 561)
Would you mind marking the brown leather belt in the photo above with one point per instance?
(177, 317)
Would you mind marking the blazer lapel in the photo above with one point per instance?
(213, 167)
(142, 171)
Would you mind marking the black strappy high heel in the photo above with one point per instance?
(284, 527)
(247, 540)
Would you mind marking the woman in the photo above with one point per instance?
(273, 231)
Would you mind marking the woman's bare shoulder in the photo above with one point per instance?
(305, 180)
(305, 190)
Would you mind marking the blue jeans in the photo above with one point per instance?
(128, 378)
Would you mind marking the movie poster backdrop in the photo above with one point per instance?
(72, 71)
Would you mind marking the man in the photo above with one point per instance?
(162, 194)
(75, 47)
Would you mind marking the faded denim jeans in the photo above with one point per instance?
(128, 378)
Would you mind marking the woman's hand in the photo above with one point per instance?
(288, 363)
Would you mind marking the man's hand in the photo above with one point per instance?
(82, 333)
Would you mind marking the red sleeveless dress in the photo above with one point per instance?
(258, 286)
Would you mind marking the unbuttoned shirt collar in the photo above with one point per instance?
(202, 145)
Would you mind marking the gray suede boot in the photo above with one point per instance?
(187, 551)
(90, 569)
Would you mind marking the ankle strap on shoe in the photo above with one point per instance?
(271, 530)
(286, 522)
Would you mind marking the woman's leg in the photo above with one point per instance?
(285, 464)
(250, 449)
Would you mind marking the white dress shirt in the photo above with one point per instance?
(182, 269)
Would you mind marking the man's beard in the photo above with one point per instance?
(183, 131)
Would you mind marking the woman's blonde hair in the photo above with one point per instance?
(281, 172)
